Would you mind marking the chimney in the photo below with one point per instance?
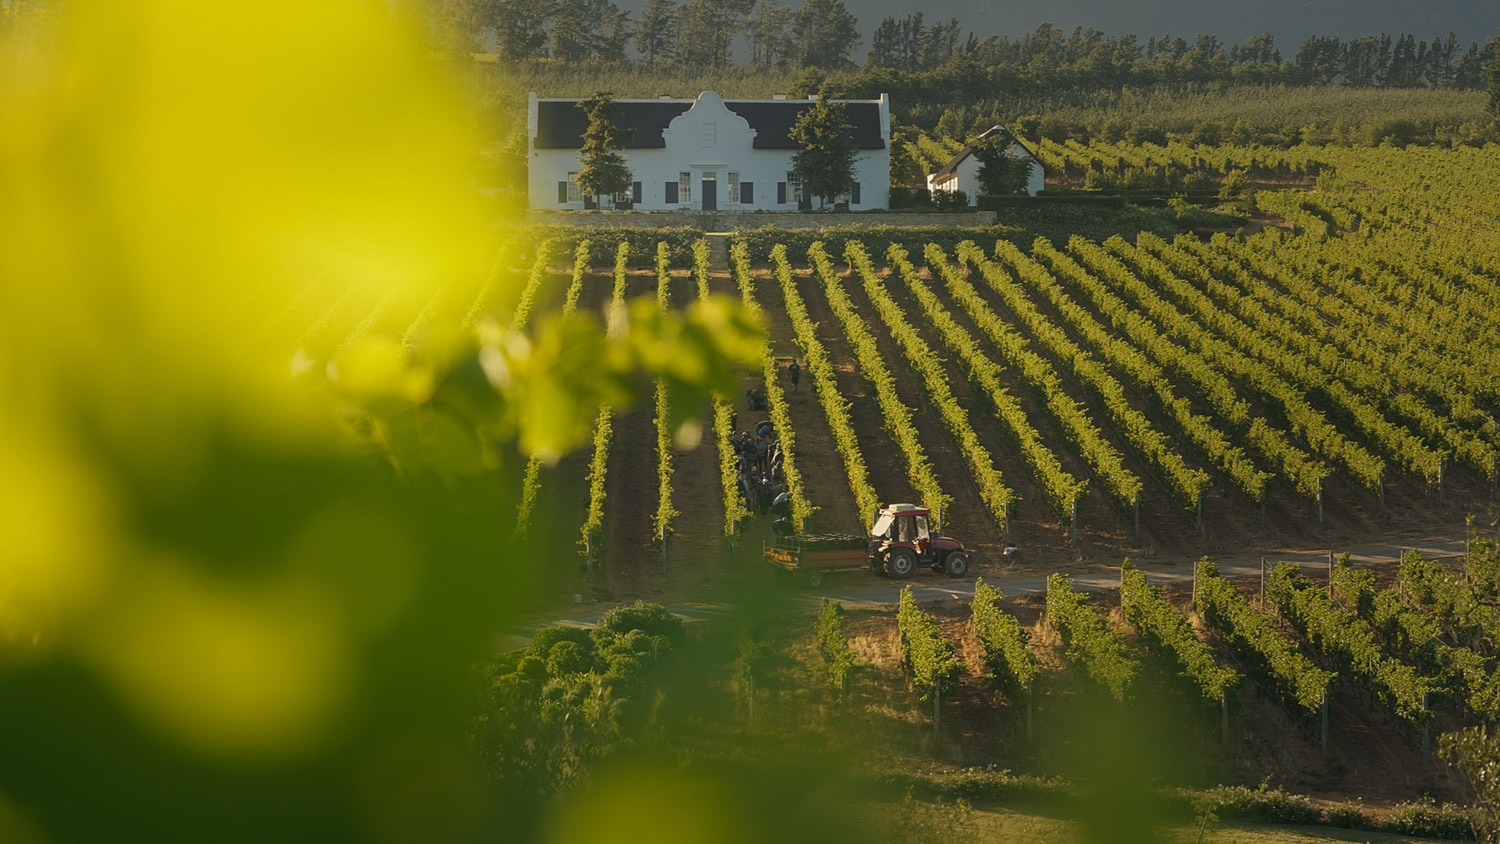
(778, 96)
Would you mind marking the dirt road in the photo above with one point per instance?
(1017, 576)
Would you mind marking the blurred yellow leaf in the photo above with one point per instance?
(229, 668)
(57, 558)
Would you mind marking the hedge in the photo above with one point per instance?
(605, 240)
(989, 202)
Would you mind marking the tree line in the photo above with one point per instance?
(698, 34)
(823, 35)
(1049, 58)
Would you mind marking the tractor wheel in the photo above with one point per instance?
(957, 564)
(815, 578)
(900, 564)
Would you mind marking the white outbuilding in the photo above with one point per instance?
(704, 154)
(962, 171)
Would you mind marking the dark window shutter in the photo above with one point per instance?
(635, 192)
(854, 195)
(747, 193)
(671, 193)
(562, 193)
(780, 193)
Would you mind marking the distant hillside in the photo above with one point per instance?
(1290, 21)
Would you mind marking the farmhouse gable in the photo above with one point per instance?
(706, 154)
(961, 173)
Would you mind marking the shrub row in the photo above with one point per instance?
(876, 239)
(1262, 804)
(993, 490)
(604, 241)
(825, 384)
(995, 203)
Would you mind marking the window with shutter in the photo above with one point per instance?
(671, 188)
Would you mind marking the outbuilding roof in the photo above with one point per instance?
(561, 124)
(950, 170)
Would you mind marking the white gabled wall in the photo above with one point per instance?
(1037, 181)
(695, 148)
(966, 176)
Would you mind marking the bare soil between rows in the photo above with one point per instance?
(701, 563)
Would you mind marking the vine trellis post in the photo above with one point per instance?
(1323, 731)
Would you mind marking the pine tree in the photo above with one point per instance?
(706, 31)
(521, 30)
(885, 45)
(654, 31)
(826, 34)
(769, 30)
(589, 30)
(1492, 76)
(604, 170)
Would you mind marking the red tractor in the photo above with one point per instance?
(899, 540)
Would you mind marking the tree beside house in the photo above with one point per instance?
(1000, 172)
(825, 161)
(995, 162)
(603, 171)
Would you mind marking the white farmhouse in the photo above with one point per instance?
(707, 154)
(962, 171)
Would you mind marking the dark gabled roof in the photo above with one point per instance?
(773, 121)
(560, 124)
(951, 167)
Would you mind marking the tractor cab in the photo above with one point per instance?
(901, 539)
(902, 524)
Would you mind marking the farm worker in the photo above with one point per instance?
(782, 506)
(765, 429)
(765, 493)
(762, 451)
(795, 372)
